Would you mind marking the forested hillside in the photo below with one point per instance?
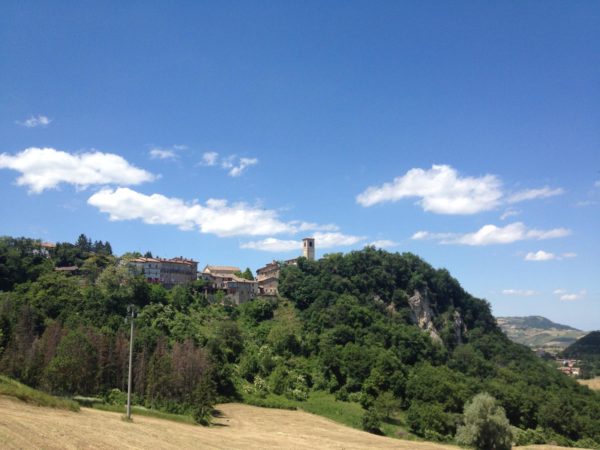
(385, 333)
(587, 350)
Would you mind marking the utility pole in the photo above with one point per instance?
(131, 316)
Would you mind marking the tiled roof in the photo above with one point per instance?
(221, 269)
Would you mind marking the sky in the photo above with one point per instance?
(467, 133)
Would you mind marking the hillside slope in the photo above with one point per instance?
(539, 332)
(585, 348)
(240, 426)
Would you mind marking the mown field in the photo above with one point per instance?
(25, 425)
(594, 383)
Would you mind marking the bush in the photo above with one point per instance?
(430, 421)
(371, 421)
(486, 426)
(203, 400)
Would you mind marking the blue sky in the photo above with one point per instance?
(465, 132)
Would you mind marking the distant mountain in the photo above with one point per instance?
(585, 348)
(539, 332)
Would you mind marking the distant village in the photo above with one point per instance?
(227, 279)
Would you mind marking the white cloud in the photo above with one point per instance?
(566, 296)
(491, 234)
(46, 168)
(273, 245)
(440, 189)
(520, 292)
(322, 240)
(509, 213)
(234, 165)
(384, 243)
(335, 239)
(428, 236)
(215, 217)
(242, 164)
(210, 159)
(161, 153)
(33, 121)
(540, 255)
(531, 194)
(311, 226)
(597, 183)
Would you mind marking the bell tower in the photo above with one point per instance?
(308, 248)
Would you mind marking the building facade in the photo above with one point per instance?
(168, 272)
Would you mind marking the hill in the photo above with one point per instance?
(238, 426)
(585, 348)
(538, 332)
(376, 340)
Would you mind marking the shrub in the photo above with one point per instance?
(371, 421)
(486, 426)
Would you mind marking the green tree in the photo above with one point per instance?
(486, 426)
(74, 369)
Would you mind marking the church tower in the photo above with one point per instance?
(308, 248)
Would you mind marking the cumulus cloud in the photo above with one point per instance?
(520, 292)
(234, 165)
(322, 240)
(541, 255)
(440, 189)
(47, 168)
(35, 121)
(217, 216)
(236, 169)
(532, 194)
(384, 243)
(443, 190)
(492, 234)
(209, 159)
(335, 239)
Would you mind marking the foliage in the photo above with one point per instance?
(485, 425)
(342, 343)
(12, 388)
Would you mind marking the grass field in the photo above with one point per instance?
(12, 388)
(594, 383)
(238, 426)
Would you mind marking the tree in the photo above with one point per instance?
(486, 426)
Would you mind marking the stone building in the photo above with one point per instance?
(168, 272)
(308, 248)
(237, 289)
(268, 276)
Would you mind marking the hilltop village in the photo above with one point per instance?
(226, 279)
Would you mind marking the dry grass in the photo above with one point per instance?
(240, 426)
(594, 383)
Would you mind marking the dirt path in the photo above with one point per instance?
(24, 426)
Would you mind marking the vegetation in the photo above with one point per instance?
(12, 388)
(341, 342)
(486, 426)
(586, 349)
